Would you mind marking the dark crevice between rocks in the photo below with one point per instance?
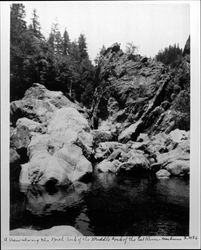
(15, 166)
(23, 155)
(15, 115)
(50, 186)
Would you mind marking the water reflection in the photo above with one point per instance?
(42, 201)
(108, 205)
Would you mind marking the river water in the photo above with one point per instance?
(107, 205)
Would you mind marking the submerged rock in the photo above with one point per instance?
(163, 173)
(54, 231)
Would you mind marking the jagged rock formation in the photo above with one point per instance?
(139, 101)
(187, 47)
(137, 94)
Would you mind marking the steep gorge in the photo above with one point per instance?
(139, 122)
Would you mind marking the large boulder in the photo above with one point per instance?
(39, 103)
(124, 160)
(54, 231)
(54, 157)
(133, 161)
(34, 109)
(20, 138)
(53, 162)
(178, 135)
(70, 127)
(108, 166)
(101, 136)
(178, 167)
(106, 148)
(172, 152)
(31, 125)
(49, 128)
(67, 118)
(73, 156)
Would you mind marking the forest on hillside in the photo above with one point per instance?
(57, 62)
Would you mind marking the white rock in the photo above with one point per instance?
(54, 231)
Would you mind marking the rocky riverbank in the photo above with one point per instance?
(139, 123)
(60, 146)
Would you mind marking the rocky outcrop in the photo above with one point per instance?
(54, 135)
(140, 95)
(187, 47)
(170, 151)
(121, 158)
(38, 104)
(54, 231)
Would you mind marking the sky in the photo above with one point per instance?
(151, 26)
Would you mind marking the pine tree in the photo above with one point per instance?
(82, 47)
(17, 49)
(50, 41)
(35, 25)
(170, 55)
(66, 43)
(56, 38)
(18, 24)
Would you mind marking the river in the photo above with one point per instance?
(107, 205)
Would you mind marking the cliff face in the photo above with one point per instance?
(141, 95)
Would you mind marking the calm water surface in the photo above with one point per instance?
(107, 205)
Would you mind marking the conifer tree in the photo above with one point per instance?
(66, 43)
(35, 25)
(82, 47)
(17, 49)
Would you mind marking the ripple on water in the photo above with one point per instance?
(108, 205)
